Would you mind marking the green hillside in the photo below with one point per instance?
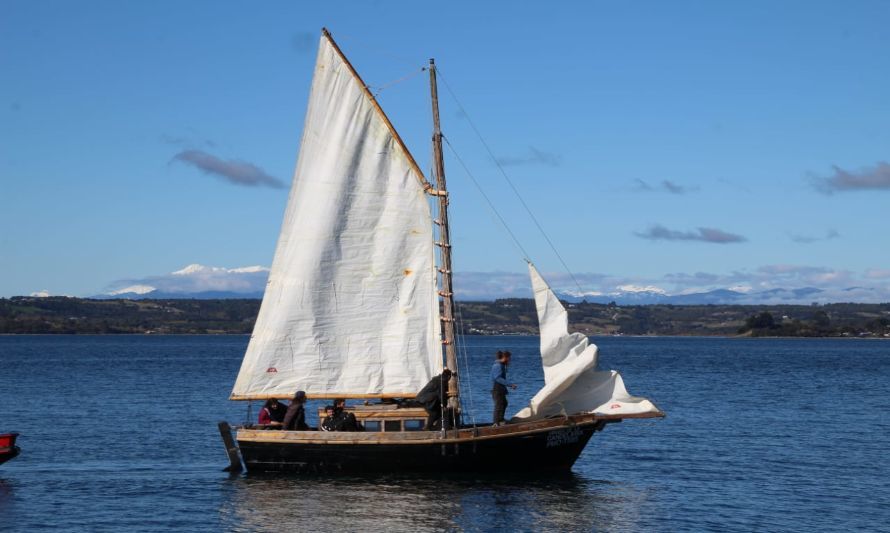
(509, 316)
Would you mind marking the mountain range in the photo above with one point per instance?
(777, 285)
(715, 296)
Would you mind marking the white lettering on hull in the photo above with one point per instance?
(561, 437)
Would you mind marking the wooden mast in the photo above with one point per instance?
(444, 245)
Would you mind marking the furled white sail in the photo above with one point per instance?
(571, 382)
(351, 306)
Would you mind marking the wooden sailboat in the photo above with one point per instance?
(357, 307)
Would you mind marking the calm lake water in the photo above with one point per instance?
(119, 433)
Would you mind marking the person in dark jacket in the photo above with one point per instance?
(433, 396)
(295, 418)
(499, 386)
(340, 419)
(272, 413)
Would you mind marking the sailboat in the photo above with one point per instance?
(358, 307)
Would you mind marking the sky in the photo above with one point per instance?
(678, 146)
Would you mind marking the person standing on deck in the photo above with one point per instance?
(295, 418)
(499, 386)
(434, 396)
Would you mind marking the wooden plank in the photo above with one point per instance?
(225, 431)
(327, 396)
(368, 412)
(433, 437)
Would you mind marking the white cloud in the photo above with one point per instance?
(780, 283)
(133, 289)
(40, 294)
(639, 288)
(196, 278)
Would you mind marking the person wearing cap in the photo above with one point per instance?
(295, 418)
(499, 386)
(433, 396)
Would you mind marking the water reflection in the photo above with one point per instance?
(572, 502)
(6, 498)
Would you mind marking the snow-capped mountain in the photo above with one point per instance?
(204, 282)
(715, 297)
(194, 281)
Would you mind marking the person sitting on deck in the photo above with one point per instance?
(340, 419)
(295, 418)
(499, 386)
(433, 396)
(272, 413)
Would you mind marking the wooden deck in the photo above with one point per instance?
(454, 436)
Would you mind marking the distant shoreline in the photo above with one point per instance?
(595, 336)
(507, 317)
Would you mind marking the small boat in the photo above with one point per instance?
(357, 306)
(8, 449)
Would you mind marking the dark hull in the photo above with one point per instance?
(553, 450)
(8, 453)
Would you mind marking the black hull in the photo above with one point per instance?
(6, 455)
(555, 450)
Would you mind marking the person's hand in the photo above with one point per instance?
(513, 386)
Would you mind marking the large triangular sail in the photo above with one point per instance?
(571, 382)
(351, 306)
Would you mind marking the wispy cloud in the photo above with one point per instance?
(233, 171)
(878, 273)
(809, 239)
(533, 156)
(866, 179)
(663, 186)
(303, 41)
(177, 140)
(711, 235)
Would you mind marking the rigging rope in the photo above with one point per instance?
(508, 180)
(374, 46)
(381, 88)
(463, 351)
(491, 206)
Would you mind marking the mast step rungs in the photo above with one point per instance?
(437, 192)
(446, 319)
(444, 271)
(443, 244)
(444, 294)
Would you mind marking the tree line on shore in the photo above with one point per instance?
(507, 316)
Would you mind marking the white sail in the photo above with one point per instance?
(351, 305)
(571, 382)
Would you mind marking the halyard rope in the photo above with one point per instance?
(508, 180)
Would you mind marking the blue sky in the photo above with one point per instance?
(653, 140)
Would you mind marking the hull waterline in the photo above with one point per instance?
(545, 446)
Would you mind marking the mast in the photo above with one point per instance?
(444, 245)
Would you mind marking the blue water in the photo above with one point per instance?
(119, 433)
